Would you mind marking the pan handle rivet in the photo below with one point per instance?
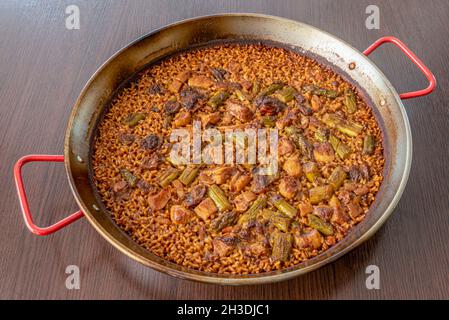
(95, 207)
(382, 102)
(352, 66)
(79, 159)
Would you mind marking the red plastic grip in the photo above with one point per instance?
(24, 201)
(429, 75)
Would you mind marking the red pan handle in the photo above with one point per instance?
(429, 75)
(24, 201)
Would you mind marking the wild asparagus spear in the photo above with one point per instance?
(283, 206)
(282, 244)
(287, 94)
(350, 101)
(188, 175)
(320, 225)
(252, 212)
(222, 221)
(350, 128)
(219, 198)
(301, 142)
(217, 99)
(167, 177)
(311, 171)
(129, 177)
(326, 92)
(320, 193)
(272, 88)
(347, 127)
(337, 178)
(339, 147)
(322, 134)
(368, 144)
(133, 119)
(279, 220)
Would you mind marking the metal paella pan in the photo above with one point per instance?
(325, 48)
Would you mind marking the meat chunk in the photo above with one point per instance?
(189, 97)
(182, 119)
(285, 146)
(159, 200)
(179, 81)
(293, 167)
(179, 189)
(339, 216)
(119, 186)
(195, 196)
(151, 142)
(179, 214)
(305, 108)
(175, 86)
(243, 201)
(151, 162)
(239, 181)
(227, 119)
(323, 152)
(288, 119)
(324, 212)
(183, 76)
(221, 175)
(220, 248)
(269, 105)
(361, 190)
(206, 209)
(200, 81)
(354, 209)
(212, 118)
(260, 183)
(172, 107)
(315, 103)
(205, 178)
(223, 245)
(239, 111)
(256, 249)
(305, 209)
(288, 187)
(126, 138)
(312, 239)
(358, 172)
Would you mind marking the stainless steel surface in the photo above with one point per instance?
(242, 27)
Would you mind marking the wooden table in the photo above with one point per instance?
(43, 67)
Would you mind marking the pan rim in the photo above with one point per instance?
(222, 278)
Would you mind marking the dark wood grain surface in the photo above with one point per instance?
(43, 67)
